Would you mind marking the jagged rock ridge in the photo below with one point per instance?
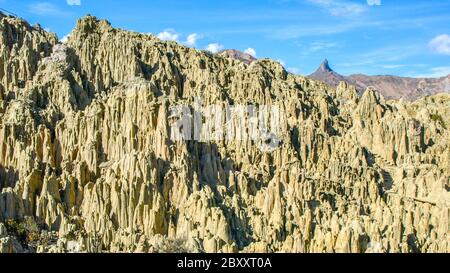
(87, 164)
(391, 87)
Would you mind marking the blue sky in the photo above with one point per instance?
(398, 37)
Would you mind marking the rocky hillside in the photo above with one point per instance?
(237, 55)
(87, 162)
(391, 87)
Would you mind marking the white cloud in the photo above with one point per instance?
(393, 66)
(250, 51)
(340, 7)
(168, 35)
(172, 35)
(320, 46)
(435, 72)
(292, 32)
(214, 48)
(389, 54)
(192, 39)
(283, 63)
(374, 2)
(46, 8)
(293, 70)
(65, 38)
(73, 2)
(441, 44)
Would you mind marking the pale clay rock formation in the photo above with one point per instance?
(85, 152)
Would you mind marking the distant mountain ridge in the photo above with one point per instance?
(237, 55)
(391, 87)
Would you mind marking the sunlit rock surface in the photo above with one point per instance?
(87, 163)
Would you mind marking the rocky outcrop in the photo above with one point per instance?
(86, 153)
(22, 47)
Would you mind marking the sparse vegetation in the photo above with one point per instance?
(174, 246)
(437, 118)
(26, 231)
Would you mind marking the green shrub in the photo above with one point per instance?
(27, 232)
(174, 246)
(437, 118)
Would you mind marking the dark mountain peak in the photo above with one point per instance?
(325, 74)
(325, 66)
(325, 70)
